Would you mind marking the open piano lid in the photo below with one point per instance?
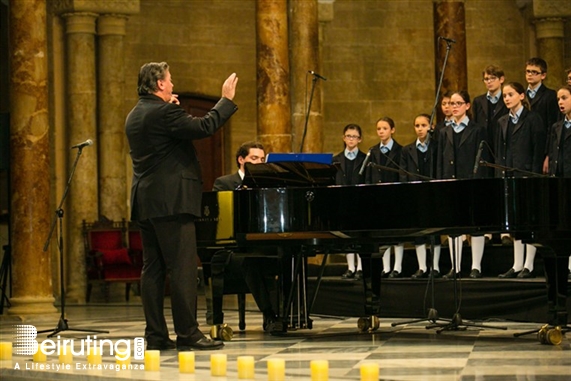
(291, 169)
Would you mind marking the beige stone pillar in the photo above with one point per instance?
(81, 125)
(305, 56)
(450, 22)
(273, 93)
(110, 95)
(550, 46)
(29, 150)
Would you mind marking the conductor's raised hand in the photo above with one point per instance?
(229, 86)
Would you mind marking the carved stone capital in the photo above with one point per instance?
(111, 24)
(126, 7)
(80, 22)
(551, 8)
(549, 28)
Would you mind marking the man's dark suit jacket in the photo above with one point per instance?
(167, 179)
(228, 182)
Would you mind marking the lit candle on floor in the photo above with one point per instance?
(65, 356)
(123, 362)
(276, 370)
(39, 356)
(369, 372)
(153, 361)
(218, 364)
(5, 349)
(186, 362)
(246, 367)
(93, 356)
(319, 370)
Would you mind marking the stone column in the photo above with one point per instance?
(550, 46)
(274, 119)
(81, 125)
(111, 82)
(450, 22)
(305, 56)
(29, 150)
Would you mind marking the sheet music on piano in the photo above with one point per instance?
(291, 169)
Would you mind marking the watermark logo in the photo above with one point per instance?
(25, 343)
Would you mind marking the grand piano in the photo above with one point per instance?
(273, 213)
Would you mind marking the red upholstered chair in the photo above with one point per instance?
(108, 257)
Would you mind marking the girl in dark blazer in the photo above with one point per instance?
(458, 146)
(386, 154)
(418, 159)
(350, 161)
(519, 144)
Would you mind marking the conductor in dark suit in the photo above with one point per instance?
(166, 197)
(254, 268)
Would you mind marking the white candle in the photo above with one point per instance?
(39, 356)
(276, 370)
(319, 370)
(93, 356)
(65, 356)
(186, 362)
(369, 372)
(153, 361)
(5, 350)
(246, 367)
(218, 364)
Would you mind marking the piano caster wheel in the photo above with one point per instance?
(550, 335)
(368, 324)
(221, 332)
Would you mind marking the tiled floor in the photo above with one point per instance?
(407, 352)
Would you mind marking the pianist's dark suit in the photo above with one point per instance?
(228, 182)
(165, 197)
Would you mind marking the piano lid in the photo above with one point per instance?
(291, 169)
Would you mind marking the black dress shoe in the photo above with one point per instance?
(450, 275)
(166, 345)
(419, 274)
(348, 275)
(511, 273)
(385, 275)
(204, 344)
(526, 274)
(436, 274)
(475, 274)
(507, 241)
(394, 274)
(359, 275)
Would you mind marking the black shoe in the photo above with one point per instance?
(385, 275)
(348, 275)
(419, 274)
(436, 274)
(166, 345)
(450, 275)
(475, 274)
(507, 241)
(526, 274)
(204, 344)
(359, 275)
(394, 274)
(569, 276)
(510, 274)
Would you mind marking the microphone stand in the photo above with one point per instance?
(507, 170)
(313, 81)
(58, 220)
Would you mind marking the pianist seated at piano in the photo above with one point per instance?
(251, 152)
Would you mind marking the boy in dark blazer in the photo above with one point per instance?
(165, 199)
(350, 161)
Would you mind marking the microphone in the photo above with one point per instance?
(479, 156)
(365, 162)
(317, 75)
(449, 40)
(86, 143)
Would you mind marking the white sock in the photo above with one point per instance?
(518, 255)
(477, 252)
(387, 260)
(436, 258)
(359, 264)
(421, 256)
(455, 247)
(351, 262)
(399, 253)
(530, 251)
(569, 263)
